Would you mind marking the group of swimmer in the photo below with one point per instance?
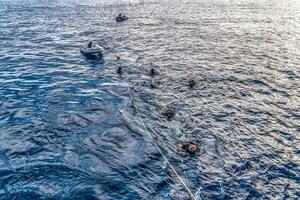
(169, 112)
(95, 51)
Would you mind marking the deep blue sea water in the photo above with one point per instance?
(69, 129)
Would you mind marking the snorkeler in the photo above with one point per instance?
(191, 83)
(189, 147)
(152, 72)
(119, 70)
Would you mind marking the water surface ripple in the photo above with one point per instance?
(68, 128)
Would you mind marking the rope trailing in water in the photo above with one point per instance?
(157, 147)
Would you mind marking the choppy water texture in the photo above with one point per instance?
(68, 128)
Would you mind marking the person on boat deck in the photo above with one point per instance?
(120, 14)
(90, 44)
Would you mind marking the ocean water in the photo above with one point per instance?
(68, 125)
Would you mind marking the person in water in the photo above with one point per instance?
(120, 70)
(152, 72)
(90, 44)
(189, 147)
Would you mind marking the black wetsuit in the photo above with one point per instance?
(185, 146)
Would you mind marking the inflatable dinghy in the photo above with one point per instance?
(95, 51)
(121, 18)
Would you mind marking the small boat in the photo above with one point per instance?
(95, 51)
(121, 18)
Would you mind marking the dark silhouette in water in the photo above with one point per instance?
(90, 44)
(191, 83)
(121, 18)
(120, 70)
(152, 72)
(169, 112)
(188, 147)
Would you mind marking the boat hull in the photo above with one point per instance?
(92, 53)
(120, 19)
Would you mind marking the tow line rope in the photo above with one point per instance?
(157, 147)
